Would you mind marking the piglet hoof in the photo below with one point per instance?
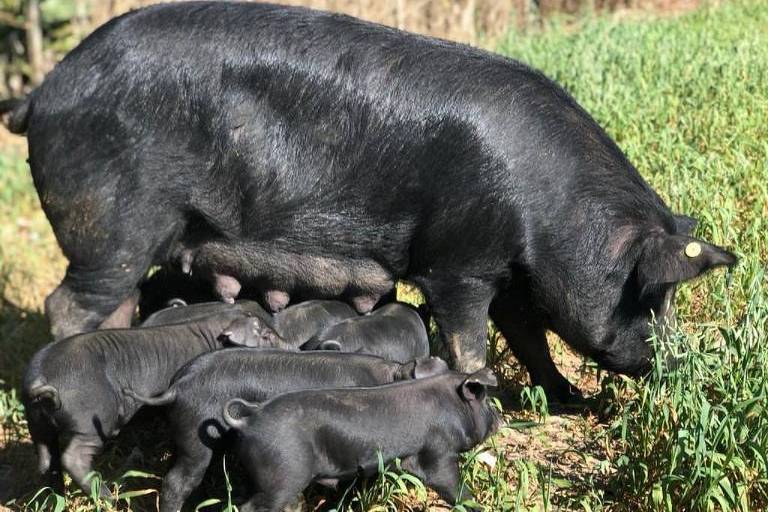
(276, 300)
(363, 304)
(227, 288)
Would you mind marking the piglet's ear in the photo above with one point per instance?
(429, 367)
(234, 334)
(272, 337)
(684, 225)
(668, 259)
(475, 385)
(330, 345)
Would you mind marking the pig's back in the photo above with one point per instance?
(395, 417)
(276, 371)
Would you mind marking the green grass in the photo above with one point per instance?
(687, 99)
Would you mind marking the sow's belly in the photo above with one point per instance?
(325, 266)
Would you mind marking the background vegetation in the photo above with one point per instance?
(687, 98)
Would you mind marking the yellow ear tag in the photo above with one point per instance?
(693, 249)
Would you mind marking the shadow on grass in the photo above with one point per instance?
(22, 333)
(142, 446)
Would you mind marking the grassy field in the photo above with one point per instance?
(687, 99)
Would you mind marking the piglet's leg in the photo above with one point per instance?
(226, 287)
(273, 502)
(276, 300)
(46, 441)
(279, 477)
(441, 473)
(186, 474)
(77, 460)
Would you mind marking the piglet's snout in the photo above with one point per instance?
(498, 420)
(491, 419)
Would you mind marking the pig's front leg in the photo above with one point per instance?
(440, 471)
(460, 309)
(526, 336)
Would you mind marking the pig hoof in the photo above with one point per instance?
(559, 391)
(565, 395)
(277, 300)
(227, 288)
(364, 303)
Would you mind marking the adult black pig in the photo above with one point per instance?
(199, 391)
(72, 389)
(394, 331)
(330, 435)
(314, 153)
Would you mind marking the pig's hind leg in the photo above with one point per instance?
(100, 288)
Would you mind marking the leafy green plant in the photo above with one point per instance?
(696, 436)
(391, 489)
(535, 400)
(45, 500)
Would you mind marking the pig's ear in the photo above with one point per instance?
(330, 345)
(475, 385)
(668, 259)
(428, 367)
(271, 336)
(236, 412)
(261, 328)
(684, 225)
(235, 333)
